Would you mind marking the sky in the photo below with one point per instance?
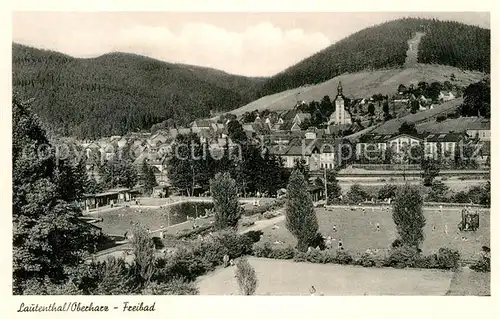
(245, 43)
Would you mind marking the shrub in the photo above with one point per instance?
(343, 258)
(192, 233)
(186, 263)
(448, 258)
(440, 118)
(438, 192)
(158, 243)
(254, 235)
(115, 277)
(397, 243)
(246, 277)
(214, 247)
(262, 250)
(300, 256)
(356, 194)
(461, 197)
(247, 223)
(427, 262)
(366, 260)
(175, 286)
(319, 256)
(387, 191)
(402, 257)
(287, 252)
(269, 215)
(46, 287)
(318, 241)
(482, 265)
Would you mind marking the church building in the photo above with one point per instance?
(340, 116)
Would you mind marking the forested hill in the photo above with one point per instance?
(385, 46)
(117, 92)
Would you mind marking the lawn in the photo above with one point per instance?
(357, 230)
(285, 277)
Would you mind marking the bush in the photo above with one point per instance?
(343, 258)
(269, 215)
(254, 235)
(403, 257)
(318, 241)
(186, 263)
(214, 247)
(262, 250)
(482, 265)
(247, 223)
(387, 191)
(287, 252)
(356, 194)
(427, 262)
(366, 260)
(246, 277)
(461, 197)
(46, 287)
(300, 257)
(320, 256)
(397, 243)
(176, 286)
(276, 204)
(193, 233)
(158, 243)
(448, 258)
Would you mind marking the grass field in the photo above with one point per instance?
(362, 84)
(285, 277)
(358, 231)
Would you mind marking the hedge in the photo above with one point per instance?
(399, 257)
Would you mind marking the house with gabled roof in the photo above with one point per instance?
(200, 125)
(444, 143)
(300, 118)
(446, 96)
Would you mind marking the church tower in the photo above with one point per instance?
(340, 116)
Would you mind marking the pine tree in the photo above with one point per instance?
(225, 196)
(408, 215)
(332, 186)
(148, 177)
(48, 238)
(301, 218)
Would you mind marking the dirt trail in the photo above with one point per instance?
(412, 53)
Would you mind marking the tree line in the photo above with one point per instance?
(118, 93)
(385, 46)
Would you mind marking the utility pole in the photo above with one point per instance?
(326, 189)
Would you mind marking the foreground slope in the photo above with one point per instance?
(117, 92)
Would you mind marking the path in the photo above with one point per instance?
(264, 223)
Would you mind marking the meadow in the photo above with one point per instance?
(358, 231)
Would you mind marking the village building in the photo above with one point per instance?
(110, 197)
(341, 116)
(445, 96)
(199, 125)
